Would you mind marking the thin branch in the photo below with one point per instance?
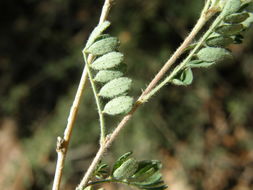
(106, 145)
(109, 181)
(185, 61)
(62, 143)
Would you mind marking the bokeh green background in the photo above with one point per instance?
(202, 133)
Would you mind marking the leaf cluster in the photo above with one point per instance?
(143, 174)
(235, 21)
(109, 70)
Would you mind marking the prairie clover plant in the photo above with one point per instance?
(105, 69)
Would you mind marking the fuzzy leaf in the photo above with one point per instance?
(102, 36)
(97, 32)
(219, 41)
(151, 181)
(185, 78)
(199, 64)
(119, 105)
(126, 170)
(248, 21)
(145, 170)
(231, 6)
(236, 18)
(120, 160)
(229, 29)
(103, 46)
(214, 54)
(152, 163)
(107, 75)
(107, 61)
(101, 171)
(115, 87)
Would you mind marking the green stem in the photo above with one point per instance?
(107, 181)
(185, 61)
(99, 105)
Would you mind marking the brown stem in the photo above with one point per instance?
(109, 139)
(199, 25)
(62, 143)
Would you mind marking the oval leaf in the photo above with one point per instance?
(231, 6)
(213, 54)
(248, 21)
(199, 64)
(146, 169)
(236, 18)
(120, 160)
(126, 170)
(97, 32)
(103, 46)
(121, 104)
(107, 61)
(229, 30)
(185, 78)
(219, 41)
(115, 87)
(107, 75)
(152, 180)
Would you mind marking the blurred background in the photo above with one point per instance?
(202, 134)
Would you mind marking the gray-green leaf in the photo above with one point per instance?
(107, 61)
(115, 87)
(97, 32)
(231, 6)
(219, 41)
(104, 76)
(146, 169)
(230, 29)
(119, 105)
(199, 64)
(126, 170)
(120, 160)
(236, 18)
(103, 46)
(248, 21)
(185, 78)
(214, 54)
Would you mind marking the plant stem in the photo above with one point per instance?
(108, 181)
(185, 61)
(62, 143)
(99, 106)
(106, 145)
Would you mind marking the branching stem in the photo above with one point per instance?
(110, 138)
